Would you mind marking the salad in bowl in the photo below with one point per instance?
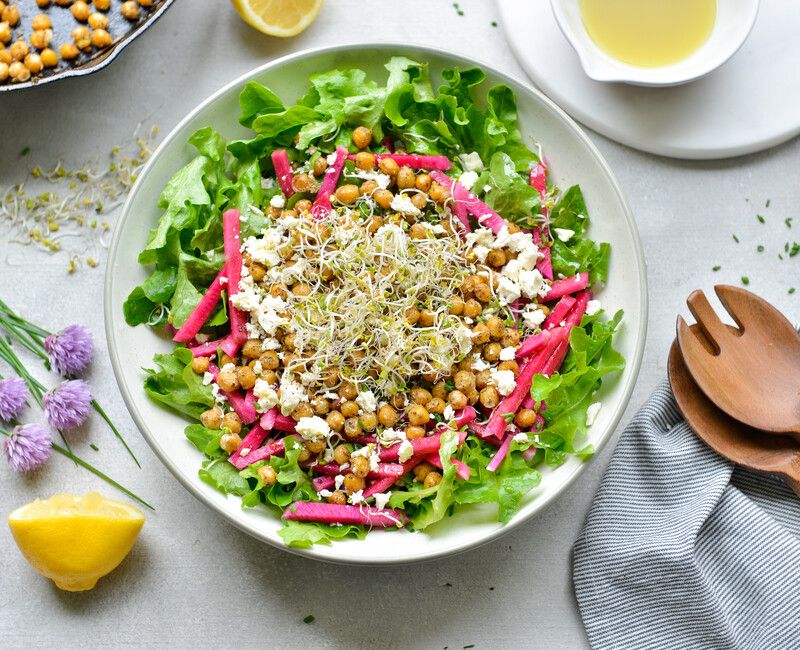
(382, 307)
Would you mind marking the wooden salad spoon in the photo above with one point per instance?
(752, 371)
(730, 438)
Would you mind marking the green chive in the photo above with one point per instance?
(94, 446)
(494, 23)
(735, 238)
(716, 267)
(788, 222)
(766, 205)
(309, 619)
(25, 151)
(760, 218)
(745, 280)
(791, 290)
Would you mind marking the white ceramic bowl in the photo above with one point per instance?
(574, 160)
(735, 19)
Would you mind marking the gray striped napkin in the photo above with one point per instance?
(683, 550)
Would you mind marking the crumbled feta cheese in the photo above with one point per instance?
(449, 413)
(207, 378)
(480, 237)
(313, 428)
(331, 159)
(309, 377)
(591, 413)
(405, 451)
(532, 284)
(270, 344)
(504, 381)
(533, 318)
(277, 201)
(487, 188)
(292, 394)
(463, 337)
(330, 395)
(402, 203)
(471, 161)
(381, 499)
(507, 290)
(468, 179)
(265, 395)
(324, 493)
(381, 180)
(478, 363)
(528, 257)
(338, 480)
(367, 401)
(258, 367)
(508, 354)
(564, 234)
(228, 367)
(356, 498)
(592, 307)
(481, 252)
(267, 183)
(520, 437)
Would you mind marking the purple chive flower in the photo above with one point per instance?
(67, 406)
(13, 395)
(28, 447)
(70, 350)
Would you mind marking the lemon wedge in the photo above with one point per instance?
(75, 540)
(278, 17)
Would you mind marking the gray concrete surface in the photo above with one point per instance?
(193, 580)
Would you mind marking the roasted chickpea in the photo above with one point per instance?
(68, 51)
(101, 5)
(349, 408)
(34, 63)
(418, 231)
(348, 390)
(304, 455)
(246, 376)
(315, 446)
(341, 454)
(365, 160)
(432, 479)
(3, 70)
(389, 166)
(146, 3)
(525, 418)
(419, 201)
(480, 334)
(464, 381)
(513, 366)
(19, 50)
(438, 193)
(483, 293)
(42, 3)
(472, 308)
(359, 466)
(352, 428)
(436, 405)
(510, 338)
(491, 352)
(362, 136)
(41, 21)
(406, 178)
(473, 396)
(303, 205)
(301, 289)
(439, 389)
(269, 360)
(319, 166)
(353, 483)
(346, 194)
(330, 377)
(387, 416)
(482, 379)
(80, 11)
(129, 10)
(423, 182)
(101, 38)
(98, 20)
(63, 3)
(369, 421)
(267, 475)
(5, 32)
(456, 306)
(228, 381)
(414, 432)
(418, 415)
(335, 420)
(41, 38)
(338, 497)
(496, 257)
(82, 37)
(383, 198)
(232, 422)
(426, 318)
(269, 376)
(320, 406)
(49, 58)
(200, 365)
(411, 315)
(367, 187)
(457, 400)
(490, 397)
(496, 327)
(211, 419)
(422, 470)
(302, 410)
(230, 442)
(302, 182)
(252, 349)
(10, 15)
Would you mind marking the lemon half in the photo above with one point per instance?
(75, 540)
(278, 17)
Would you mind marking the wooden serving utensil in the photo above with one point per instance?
(730, 438)
(752, 372)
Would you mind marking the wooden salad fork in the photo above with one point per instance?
(752, 371)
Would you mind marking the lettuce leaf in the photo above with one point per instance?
(177, 386)
(293, 482)
(570, 391)
(301, 534)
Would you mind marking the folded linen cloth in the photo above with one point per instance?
(682, 549)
